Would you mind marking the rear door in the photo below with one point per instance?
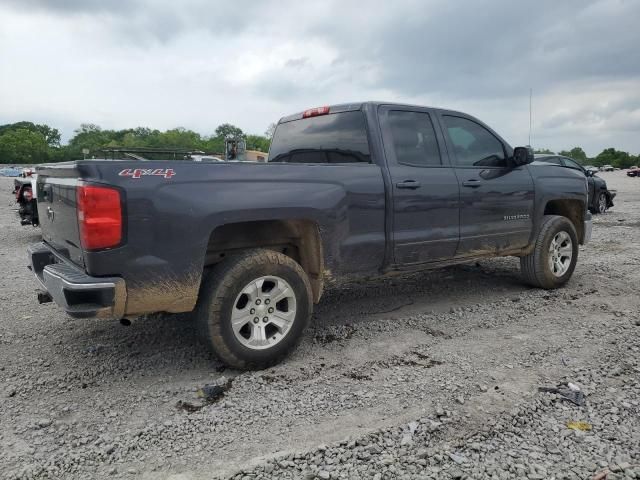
(496, 198)
(425, 188)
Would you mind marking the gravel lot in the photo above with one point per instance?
(434, 375)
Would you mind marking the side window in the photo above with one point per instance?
(473, 144)
(572, 164)
(414, 139)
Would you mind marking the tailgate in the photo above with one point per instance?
(56, 191)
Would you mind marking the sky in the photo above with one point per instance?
(200, 63)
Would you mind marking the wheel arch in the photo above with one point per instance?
(572, 209)
(297, 238)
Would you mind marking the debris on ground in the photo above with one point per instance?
(582, 426)
(357, 375)
(213, 392)
(189, 407)
(335, 333)
(208, 394)
(568, 391)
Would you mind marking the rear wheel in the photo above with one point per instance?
(554, 256)
(253, 308)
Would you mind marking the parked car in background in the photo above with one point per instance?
(608, 168)
(600, 197)
(591, 168)
(633, 172)
(206, 158)
(10, 172)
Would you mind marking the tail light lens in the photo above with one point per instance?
(99, 217)
(27, 194)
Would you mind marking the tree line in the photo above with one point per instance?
(26, 142)
(609, 156)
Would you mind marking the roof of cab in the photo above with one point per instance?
(348, 107)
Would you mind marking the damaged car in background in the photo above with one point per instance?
(600, 197)
(26, 197)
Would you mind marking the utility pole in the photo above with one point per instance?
(530, 114)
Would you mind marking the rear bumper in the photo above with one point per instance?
(79, 294)
(587, 229)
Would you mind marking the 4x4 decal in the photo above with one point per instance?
(139, 172)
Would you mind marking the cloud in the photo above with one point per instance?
(198, 63)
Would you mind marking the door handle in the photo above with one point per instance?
(412, 184)
(473, 183)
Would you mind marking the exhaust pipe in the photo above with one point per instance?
(44, 297)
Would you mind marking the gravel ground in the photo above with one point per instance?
(433, 375)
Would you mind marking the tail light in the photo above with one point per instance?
(27, 194)
(99, 217)
(314, 112)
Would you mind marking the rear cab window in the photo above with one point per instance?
(334, 138)
(551, 160)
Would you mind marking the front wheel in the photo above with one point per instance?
(554, 256)
(253, 308)
(603, 203)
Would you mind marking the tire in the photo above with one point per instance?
(243, 285)
(537, 267)
(602, 204)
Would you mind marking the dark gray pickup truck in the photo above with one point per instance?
(354, 190)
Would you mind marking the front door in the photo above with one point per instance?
(425, 189)
(496, 198)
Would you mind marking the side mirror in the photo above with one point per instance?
(522, 156)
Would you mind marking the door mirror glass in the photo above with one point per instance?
(522, 155)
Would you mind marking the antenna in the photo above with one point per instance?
(530, 115)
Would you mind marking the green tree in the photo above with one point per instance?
(270, 130)
(228, 129)
(617, 158)
(577, 153)
(51, 135)
(543, 151)
(88, 136)
(258, 142)
(23, 146)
